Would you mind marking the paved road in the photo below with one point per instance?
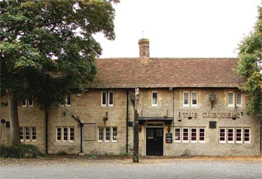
(125, 169)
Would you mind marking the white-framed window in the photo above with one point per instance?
(21, 133)
(33, 133)
(28, 102)
(185, 135)
(72, 134)
(177, 135)
(186, 98)
(222, 135)
(193, 135)
(58, 134)
(114, 134)
(107, 137)
(239, 99)
(239, 135)
(68, 100)
(65, 134)
(24, 103)
(110, 98)
(231, 99)
(100, 134)
(230, 135)
(202, 135)
(154, 98)
(103, 98)
(194, 100)
(27, 134)
(247, 135)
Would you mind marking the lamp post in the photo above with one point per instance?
(135, 98)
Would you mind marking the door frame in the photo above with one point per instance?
(159, 127)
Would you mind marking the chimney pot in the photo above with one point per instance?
(143, 48)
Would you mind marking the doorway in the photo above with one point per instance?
(154, 141)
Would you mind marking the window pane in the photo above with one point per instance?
(230, 98)
(114, 133)
(239, 98)
(21, 133)
(177, 134)
(101, 133)
(103, 98)
(30, 100)
(107, 133)
(194, 98)
(246, 135)
(230, 135)
(72, 133)
(193, 135)
(27, 133)
(33, 133)
(202, 135)
(24, 102)
(222, 135)
(68, 99)
(238, 135)
(58, 133)
(65, 133)
(111, 98)
(186, 100)
(185, 134)
(154, 98)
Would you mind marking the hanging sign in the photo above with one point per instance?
(169, 138)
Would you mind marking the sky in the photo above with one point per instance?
(180, 28)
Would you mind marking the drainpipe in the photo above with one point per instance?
(46, 130)
(127, 118)
(81, 131)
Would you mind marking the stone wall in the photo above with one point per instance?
(88, 109)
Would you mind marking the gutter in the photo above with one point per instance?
(81, 132)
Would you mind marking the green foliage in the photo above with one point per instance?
(47, 47)
(93, 157)
(251, 50)
(62, 152)
(21, 151)
(126, 154)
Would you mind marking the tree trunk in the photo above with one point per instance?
(13, 116)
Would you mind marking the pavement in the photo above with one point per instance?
(124, 168)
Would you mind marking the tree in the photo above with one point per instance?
(47, 47)
(250, 52)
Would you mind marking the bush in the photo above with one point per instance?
(21, 151)
(62, 152)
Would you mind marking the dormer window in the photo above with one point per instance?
(154, 98)
(194, 99)
(186, 98)
(231, 99)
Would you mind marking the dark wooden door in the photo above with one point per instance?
(154, 141)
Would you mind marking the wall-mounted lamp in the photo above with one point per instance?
(105, 118)
(64, 113)
(212, 98)
(140, 129)
(168, 129)
(3, 121)
(78, 95)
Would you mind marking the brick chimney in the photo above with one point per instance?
(143, 48)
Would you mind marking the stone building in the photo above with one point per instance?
(187, 106)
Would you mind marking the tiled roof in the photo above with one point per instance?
(167, 72)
